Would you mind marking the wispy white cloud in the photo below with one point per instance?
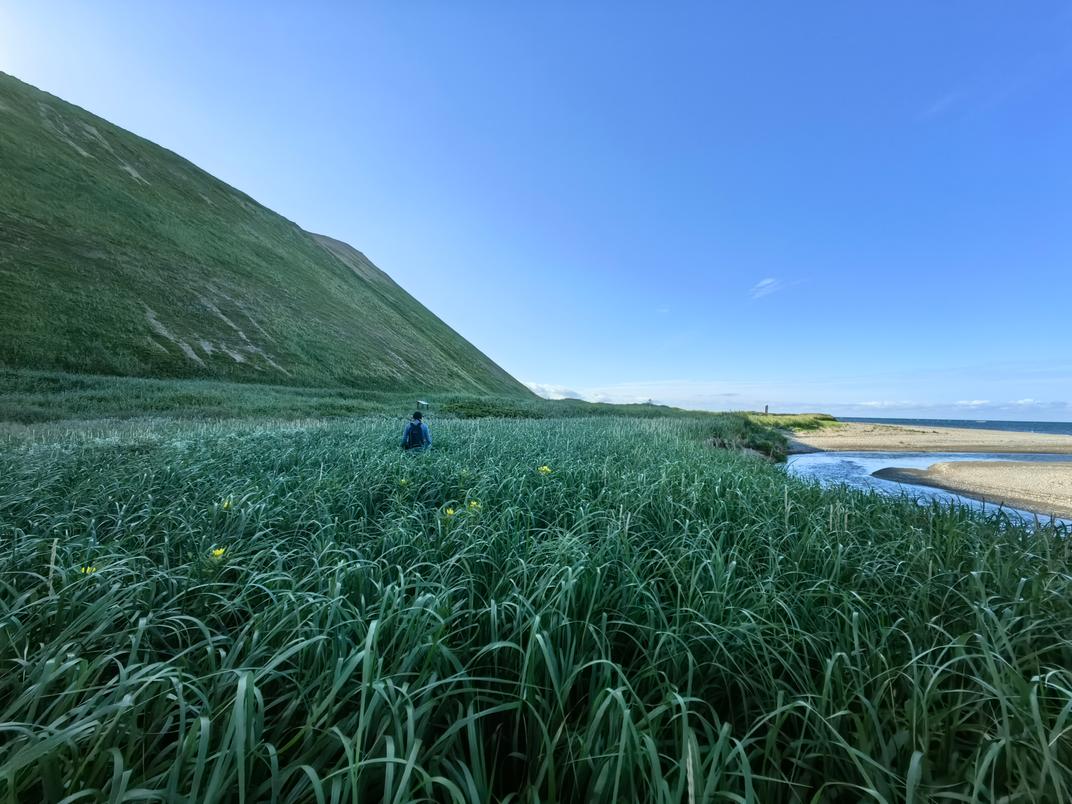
(839, 396)
(885, 403)
(701, 395)
(1037, 404)
(942, 104)
(622, 399)
(548, 391)
(765, 287)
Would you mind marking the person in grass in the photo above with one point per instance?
(416, 435)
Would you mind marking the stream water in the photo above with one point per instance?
(854, 469)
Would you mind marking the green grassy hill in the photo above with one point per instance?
(119, 257)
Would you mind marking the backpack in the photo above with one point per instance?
(414, 436)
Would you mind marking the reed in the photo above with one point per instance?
(648, 619)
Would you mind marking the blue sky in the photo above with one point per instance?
(860, 208)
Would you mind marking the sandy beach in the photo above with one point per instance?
(861, 437)
(1045, 488)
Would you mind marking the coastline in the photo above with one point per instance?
(866, 437)
(1044, 489)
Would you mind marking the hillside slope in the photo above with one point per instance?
(119, 257)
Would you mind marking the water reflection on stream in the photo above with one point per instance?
(854, 469)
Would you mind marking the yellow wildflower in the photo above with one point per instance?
(450, 512)
(544, 470)
(474, 505)
(226, 504)
(218, 552)
(88, 570)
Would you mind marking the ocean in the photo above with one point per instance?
(1052, 428)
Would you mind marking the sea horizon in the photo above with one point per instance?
(1010, 425)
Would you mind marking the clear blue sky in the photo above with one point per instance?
(859, 207)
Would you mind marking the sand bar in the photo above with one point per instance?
(1045, 488)
(863, 437)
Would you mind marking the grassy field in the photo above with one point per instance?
(30, 397)
(795, 421)
(547, 609)
(119, 257)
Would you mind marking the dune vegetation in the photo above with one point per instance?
(795, 421)
(540, 609)
(31, 397)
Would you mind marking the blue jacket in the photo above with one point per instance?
(427, 439)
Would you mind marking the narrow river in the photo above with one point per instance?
(854, 469)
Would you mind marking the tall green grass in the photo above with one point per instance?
(35, 397)
(794, 421)
(651, 619)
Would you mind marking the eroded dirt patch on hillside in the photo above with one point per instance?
(245, 351)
